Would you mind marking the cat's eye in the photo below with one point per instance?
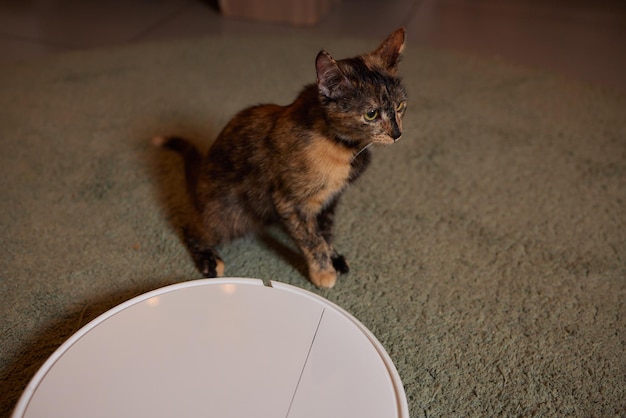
(371, 115)
(401, 107)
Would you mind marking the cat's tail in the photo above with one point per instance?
(190, 154)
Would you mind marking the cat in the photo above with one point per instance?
(290, 164)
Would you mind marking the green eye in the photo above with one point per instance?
(401, 107)
(371, 115)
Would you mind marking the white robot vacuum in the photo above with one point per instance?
(222, 348)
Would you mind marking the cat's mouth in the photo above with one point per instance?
(386, 140)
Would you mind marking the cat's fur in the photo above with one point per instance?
(290, 164)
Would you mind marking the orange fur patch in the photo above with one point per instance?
(219, 269)
(330, 167)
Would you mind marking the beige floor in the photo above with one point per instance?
(581, 39)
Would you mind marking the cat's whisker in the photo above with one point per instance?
(360, 151)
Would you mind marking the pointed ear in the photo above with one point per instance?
(331, 82)
(389, 52)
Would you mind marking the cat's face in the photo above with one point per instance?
(364, 99)
(374, 105)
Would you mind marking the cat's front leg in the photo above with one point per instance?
(304, 230)
(339, 263)
(326, 221)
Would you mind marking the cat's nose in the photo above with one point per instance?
(395, 133)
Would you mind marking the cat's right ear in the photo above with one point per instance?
(331, 82)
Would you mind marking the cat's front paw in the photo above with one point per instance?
(324, 279)
(340, 264)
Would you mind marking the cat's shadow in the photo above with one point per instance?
(165, 170)
(275, 239)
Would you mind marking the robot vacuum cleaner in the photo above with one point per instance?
(227, 347)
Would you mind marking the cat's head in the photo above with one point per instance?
(363, 97)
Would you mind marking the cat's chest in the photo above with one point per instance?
(328, 167)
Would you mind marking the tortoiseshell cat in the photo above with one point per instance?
(290, 164)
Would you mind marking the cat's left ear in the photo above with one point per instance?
(389, 52)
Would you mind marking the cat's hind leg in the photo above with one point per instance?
(206, 259)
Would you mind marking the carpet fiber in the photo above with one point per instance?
(487, 247)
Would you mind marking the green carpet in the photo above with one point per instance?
(487, 247)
